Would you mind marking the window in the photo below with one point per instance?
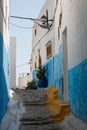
(60, 20)
(39, 58)
(58, 33)
(49, 50)
(62, 85)
(35, 65)
(8, 69)
(27, 74)
(35, 31)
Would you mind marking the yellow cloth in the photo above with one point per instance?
(58, 108)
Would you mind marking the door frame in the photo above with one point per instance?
(65, 64)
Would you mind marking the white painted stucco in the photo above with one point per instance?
(13, 62)
(4, 21)
(23, 80)
(1, 18)
(72, 30)
(43, 36)
(75, 19)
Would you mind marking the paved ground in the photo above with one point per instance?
(41, 113)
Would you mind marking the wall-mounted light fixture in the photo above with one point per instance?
(43, 22)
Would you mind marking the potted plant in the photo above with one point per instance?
(31, 85)
(42, 81)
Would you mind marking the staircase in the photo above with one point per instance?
(43, 109)
(39, 110)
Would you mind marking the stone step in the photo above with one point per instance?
(40, 110)
(39, 127)
(42, 107)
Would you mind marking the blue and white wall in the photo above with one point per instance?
(74, 22)
(4, 57)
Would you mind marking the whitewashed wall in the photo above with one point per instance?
(58, 41)
(5, 32)
(43, 36)
(1, 19)
(4, 21)
(22, 81)
(13, 62)
(75, 19)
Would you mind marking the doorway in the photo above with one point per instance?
(65, 64)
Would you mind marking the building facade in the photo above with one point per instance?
(4, 56)
(43, 39)
(23, 79)
(13, 62)
(67, 64)
(73, 33)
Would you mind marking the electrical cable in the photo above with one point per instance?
(22, 65)
(27, 18)
(37, 21)
(18, 17)
(22, 26)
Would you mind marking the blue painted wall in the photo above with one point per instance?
(54, 72)
(4, 78)
(77, 83)
(77, 80)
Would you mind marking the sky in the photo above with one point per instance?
(23, 8)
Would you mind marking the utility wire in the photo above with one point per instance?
(27, 18)
(22, 26)
(37, 21)
(22, 65)
(18, 17)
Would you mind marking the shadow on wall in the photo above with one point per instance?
(4, 79)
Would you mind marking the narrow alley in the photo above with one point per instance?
(43, 65)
